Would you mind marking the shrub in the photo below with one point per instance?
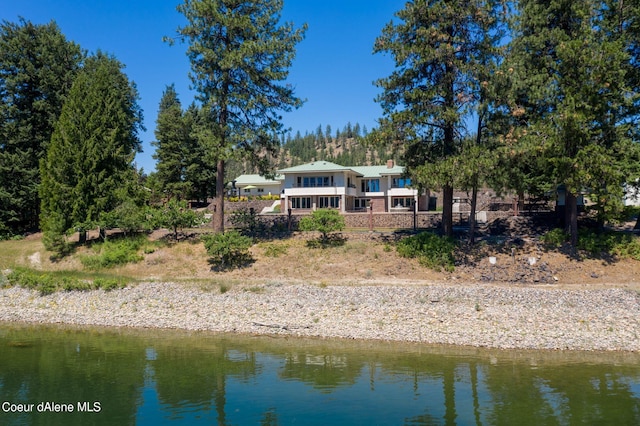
(246, 220)
(228, 249)
(555, 238)
(113, 253)
(609, 242)
(176, 215)
(324, 221)
(433, 251)
(128, 217)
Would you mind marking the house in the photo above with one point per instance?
(323, 184)
(252, 185)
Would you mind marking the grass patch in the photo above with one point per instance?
(50, 282)
(275, 250)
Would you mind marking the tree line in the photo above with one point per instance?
(522, 95)
(525, 95)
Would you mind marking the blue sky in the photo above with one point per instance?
(334, 67)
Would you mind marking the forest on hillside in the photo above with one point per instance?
(347, 146)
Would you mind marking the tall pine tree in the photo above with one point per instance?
(172, 144)
(37, 68)
(439, 47)
(88, 165)
(576, 96)
(240, 54)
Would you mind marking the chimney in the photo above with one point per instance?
(389, 164)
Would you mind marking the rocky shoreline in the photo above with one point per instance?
(480, 315)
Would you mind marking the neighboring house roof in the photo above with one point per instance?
(318, 166)
(257, 180)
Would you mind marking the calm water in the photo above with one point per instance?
(105, 376)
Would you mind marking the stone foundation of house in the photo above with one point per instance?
(397, 220)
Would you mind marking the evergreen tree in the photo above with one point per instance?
(240, 54)
(327, 132)
(88, 167)
(438, 47)
(172, 144)
(200, 172)
(577, 96)
(37, 67)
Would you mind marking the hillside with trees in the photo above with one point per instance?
(347, 146)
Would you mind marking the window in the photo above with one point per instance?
(401, 182)
(401, 202)
(260, 190)
(370, 185)
(313, 181)
(247, 191)
(300, 202)
(329, 202)
(362, 203)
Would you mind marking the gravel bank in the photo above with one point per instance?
(472, 315)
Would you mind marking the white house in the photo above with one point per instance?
(323, 184)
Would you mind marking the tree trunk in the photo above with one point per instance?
(472, 214)
(218, 202)
(520, 201)
(447, 210)
(571, 216)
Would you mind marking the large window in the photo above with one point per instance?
(401, 182)
(300, 202)
(401, 202)
(370, 185)
(314, 181)
(329, 202)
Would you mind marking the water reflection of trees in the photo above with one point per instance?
(473, 387)
(184, 375)
(323, 371)
(70, 366)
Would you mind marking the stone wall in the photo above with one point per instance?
(380, 220)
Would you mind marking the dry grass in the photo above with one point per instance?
(291, 260)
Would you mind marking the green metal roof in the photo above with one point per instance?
(362, 171)
(316, 166)
(257, 180)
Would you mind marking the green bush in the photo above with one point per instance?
(555, 238)
(113, 253)
(227, 250)
(433, 251)
(609, 242)
(324, 221)
(246, 220)
(175, 215)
